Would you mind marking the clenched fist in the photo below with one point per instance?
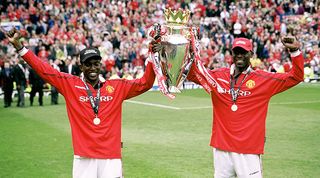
(291, 43)
(14, 38)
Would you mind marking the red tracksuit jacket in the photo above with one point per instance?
(243, 131)
(89, 140)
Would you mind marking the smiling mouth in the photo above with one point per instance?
(93, 74)
(240, 61)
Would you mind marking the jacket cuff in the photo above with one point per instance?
(23, 51)
(295, 53)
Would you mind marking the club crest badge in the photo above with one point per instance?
(250, 84)
(109, 89)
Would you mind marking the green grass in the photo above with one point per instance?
(160, 142)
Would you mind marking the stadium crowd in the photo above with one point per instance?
(56, 30)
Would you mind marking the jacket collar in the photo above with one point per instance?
(233, 68)
(101, 79)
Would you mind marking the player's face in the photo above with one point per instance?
(241, 57)
(91, 70)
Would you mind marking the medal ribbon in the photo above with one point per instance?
(234, 93)
(156, 33)
(94, 103)
(202, 74)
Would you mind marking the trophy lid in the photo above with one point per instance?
(177, 17)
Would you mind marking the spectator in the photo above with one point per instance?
(72, 27)
(37, 85)
(20, 77)
(71, 67)
(7, 79)
(54, 91)
(237, 29)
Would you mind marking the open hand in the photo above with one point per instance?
(156, 46)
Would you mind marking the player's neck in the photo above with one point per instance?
(239, 70)
(93, 83)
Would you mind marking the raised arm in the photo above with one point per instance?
(139, 86)
(295, 76)
(44, 70)
(193, 73)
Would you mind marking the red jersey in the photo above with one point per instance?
(243, 130)
(90, 140)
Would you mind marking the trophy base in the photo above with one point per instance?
(174, 89)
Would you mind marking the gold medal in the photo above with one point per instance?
(94, 102)
(234, 107)
(96, 121)
(234, 92)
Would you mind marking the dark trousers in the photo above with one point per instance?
(7, 96)
(33, 92)
(54, 95)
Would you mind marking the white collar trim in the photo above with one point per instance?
(233, 69)
(102, 80)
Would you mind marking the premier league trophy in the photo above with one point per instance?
(173, 62)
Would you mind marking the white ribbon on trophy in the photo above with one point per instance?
(181, 49)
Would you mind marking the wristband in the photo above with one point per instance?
(295, 53)
(293, 50)
(20, 48)
(23, 51)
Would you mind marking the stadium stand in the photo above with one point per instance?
(57, 30)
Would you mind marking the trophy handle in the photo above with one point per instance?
(185, 68)
(164, 68)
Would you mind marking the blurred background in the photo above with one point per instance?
(158, 141)
(56, 30)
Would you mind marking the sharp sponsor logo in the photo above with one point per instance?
(102, 98)
(213, 83)
(240, 93)
(228, 91)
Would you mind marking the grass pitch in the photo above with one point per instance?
(163, 138)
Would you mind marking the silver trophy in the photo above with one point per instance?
(174, 58)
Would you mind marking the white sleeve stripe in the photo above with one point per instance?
(23, 51)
